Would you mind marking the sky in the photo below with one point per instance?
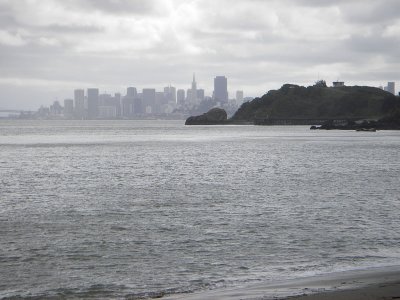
(48, 48)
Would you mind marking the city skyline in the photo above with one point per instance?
(50, 47)
(170, 101)
(90, 103)
(82, 93)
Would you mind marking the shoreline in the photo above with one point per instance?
(373, 283)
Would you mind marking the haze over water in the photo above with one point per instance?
(138, 208)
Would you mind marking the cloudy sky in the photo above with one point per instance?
(49, 47)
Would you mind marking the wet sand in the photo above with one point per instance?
(377, 283)
(383, 291)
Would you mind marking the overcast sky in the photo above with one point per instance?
(49, 47)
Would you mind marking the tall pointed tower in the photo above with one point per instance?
(194, 90)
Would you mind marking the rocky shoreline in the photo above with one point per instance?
(218, 116)
(388, 123)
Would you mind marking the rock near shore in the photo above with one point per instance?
(214, 116)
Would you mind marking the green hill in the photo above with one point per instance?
(319, 102)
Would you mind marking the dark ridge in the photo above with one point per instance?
(293, 102)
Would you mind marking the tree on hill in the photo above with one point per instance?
(320, 83)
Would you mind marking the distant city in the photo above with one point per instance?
(149, 103)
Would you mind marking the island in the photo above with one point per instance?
(340, 107)
(215, 116)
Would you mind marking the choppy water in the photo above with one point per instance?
(131, 209)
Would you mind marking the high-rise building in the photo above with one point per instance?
(239, 97)
(200, 94)
(170, 94)
(391, 87)
(221, 89)
(128, 102)
(107, 107)
(131, 92)
(127, 106)
(189, 96)
(105, 99)
(193, 92)
(161, 101)
(117, 103)
(68, 108)
(149, 100)
(138, 106)
(93, 103)
(79, 98)
(180, 97)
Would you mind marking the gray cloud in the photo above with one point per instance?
(321, 3)
(372, 12)
(7, 20)
(374, 45)
(71, 29)
(123, 7)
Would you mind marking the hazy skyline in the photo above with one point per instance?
(48, 48)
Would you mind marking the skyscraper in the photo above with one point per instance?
(239, 97)
(117, 103)
(200, 95)
(149, 100)
(68, 108)
(180, 97)
(128, 102)
(160, 102)
(221, 89)
(127, 106)
(193, 93)
(170, 94)
(79, 98)
(93, 103)
(131, 92)
(107, 107)
(138, 106)
(391, 87)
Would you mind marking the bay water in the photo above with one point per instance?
(136, 209)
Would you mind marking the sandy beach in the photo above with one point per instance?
(382, 291)
(377, 283)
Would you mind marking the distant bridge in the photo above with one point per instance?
(13, 113)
